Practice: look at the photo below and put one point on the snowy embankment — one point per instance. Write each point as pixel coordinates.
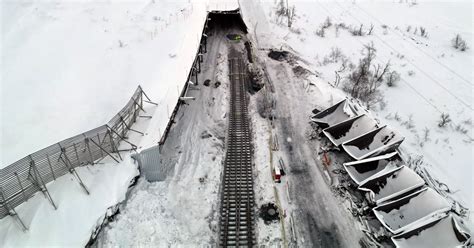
(78, 213)
(435, 77)
(69, 67)
(81, 62)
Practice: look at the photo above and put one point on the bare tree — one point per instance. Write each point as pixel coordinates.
(327, 23)
(361, 76)
(445, 119)
(291, 16)
(371, 29)
(320, 31)
(357, 31)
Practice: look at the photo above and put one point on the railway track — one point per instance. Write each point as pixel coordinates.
(237, 206)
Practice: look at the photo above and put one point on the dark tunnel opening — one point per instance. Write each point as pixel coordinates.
(226, 20)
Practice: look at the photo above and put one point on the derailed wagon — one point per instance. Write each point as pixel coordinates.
(365, 169)
(379, 141)
(446, 231)
(414, 209)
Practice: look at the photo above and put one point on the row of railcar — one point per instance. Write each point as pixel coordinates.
(415, 215)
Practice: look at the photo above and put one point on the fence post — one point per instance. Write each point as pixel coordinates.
(11, 211)
(21, 187)
(114, 146)
(98, 138)
(77, 154)
(40, 183)
(100, 147)
(70, 167)
(50, 166)
(86, 140)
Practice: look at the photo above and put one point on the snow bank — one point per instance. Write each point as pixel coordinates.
(77, 214)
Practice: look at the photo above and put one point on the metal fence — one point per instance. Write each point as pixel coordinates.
(21, 180)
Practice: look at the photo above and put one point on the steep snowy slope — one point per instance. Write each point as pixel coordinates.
(68, 67)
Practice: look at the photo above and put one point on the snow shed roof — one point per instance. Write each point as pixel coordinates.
(363, 170)
(349, 129)
(386, 186)
(414, 209)
(445, 232)
(378, 141)
(332, 115)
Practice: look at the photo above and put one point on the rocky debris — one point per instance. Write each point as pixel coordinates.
(205, 135)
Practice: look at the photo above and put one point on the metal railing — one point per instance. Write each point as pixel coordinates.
(22, 179)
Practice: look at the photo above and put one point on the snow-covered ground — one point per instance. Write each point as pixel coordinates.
(70, 66)
(435, 78)
(183, 210)
(78, 213)
(80, 61)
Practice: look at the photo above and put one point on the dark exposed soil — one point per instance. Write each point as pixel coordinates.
(278, 55)
(269, 213)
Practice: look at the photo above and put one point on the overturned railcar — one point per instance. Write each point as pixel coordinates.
(363, 170)
(379, 141)
(387, 186)
(332, 115)
(414, 209)
(350, 128)
(447, 231)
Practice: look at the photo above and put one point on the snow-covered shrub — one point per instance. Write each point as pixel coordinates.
(426, 135)
(423, 32)
(320, 31)
(411, 73)
(327, 23)
(392, 78)
(444, 120)
(336, 54)
(459, 43)
(283, 10)
(460, 128)
(357, 31)
(371, 29)
(409, 123)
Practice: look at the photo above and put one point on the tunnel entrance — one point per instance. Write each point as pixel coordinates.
(226, 20)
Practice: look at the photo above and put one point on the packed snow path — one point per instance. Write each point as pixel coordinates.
(237, 215)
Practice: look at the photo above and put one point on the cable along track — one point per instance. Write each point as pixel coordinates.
(237, 206)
